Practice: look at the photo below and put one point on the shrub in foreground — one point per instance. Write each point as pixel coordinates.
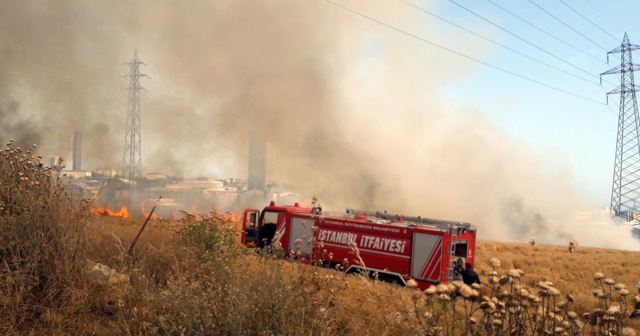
(41, 241)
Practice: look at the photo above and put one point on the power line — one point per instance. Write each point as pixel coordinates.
(603, 15)
(545, 32)
(577, 32)
(497, 43)
(522, 39)
(461, 54)
(595, 25)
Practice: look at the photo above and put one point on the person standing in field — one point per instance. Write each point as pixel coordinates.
(469, 276)
(572, 247)
(636, 300)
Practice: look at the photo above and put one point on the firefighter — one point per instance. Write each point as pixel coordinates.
(636, 300)
(267, 232)
(572, 247)
(469, 276)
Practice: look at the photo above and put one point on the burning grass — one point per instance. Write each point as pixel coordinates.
(190, 276)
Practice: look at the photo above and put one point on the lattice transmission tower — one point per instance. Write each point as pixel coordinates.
(132, 157)
(625, 192)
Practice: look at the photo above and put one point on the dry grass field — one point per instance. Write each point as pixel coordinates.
(66, 271)
(353, 305)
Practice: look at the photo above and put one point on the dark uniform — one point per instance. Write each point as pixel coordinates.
(469, 276)
(636, 300)
(267, 232)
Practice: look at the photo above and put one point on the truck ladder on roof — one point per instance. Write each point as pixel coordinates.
(443, 224)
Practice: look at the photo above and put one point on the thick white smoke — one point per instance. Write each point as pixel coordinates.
(352, 112)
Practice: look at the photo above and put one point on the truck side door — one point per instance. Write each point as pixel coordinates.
(250, 226)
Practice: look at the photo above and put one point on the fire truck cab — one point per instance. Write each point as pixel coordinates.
(393, 248)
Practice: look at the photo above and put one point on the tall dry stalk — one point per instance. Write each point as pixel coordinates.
(41, 239)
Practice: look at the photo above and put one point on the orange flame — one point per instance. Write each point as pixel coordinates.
(105, 211)
(227, 216)
(146, 214)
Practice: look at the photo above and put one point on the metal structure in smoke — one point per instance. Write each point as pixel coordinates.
(77, 151)
(625, 192)
(257, 162)
(132, 157)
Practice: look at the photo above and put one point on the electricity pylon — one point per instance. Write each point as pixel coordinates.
(625, 192)
(132, 157)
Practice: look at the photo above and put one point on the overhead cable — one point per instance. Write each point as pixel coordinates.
(523, 39)
(546, 32)
(461, 54)
(584, 17)
(498, 43)
(566, 25)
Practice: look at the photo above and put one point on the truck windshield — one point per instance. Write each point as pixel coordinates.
(270, 217)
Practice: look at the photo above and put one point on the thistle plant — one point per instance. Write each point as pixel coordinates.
(42, 237)
(508, 307)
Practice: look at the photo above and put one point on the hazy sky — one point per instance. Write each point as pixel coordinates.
(405, 110)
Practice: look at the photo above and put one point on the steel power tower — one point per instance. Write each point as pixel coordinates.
(132, 157)
(625, 192)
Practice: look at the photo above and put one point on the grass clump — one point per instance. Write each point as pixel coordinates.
(42, 242)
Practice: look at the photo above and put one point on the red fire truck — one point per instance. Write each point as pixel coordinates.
(394, 248)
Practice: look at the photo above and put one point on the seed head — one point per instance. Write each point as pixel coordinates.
(598, 276)
(613, 310)
(554, 291)
(441, 288)
(495, 263)
(430, 291)
(466, 291)
(543, 285)
(504, 280)
(444, 297)
(513, 273)
(597, 293)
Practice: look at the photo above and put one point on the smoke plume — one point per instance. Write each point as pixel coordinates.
(351, 112)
